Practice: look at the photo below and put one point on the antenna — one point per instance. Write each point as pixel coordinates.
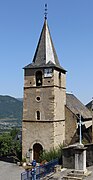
(45, 13)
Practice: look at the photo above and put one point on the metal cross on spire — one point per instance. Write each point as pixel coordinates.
(45, 11)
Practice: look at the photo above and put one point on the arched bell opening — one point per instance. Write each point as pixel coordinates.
(38, 78)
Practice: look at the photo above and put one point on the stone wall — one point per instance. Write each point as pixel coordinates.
(49, 129)
(59, 133)
(70, 126)
(52, 98)
(59, 104)
(89, 154)
(37, 132)
(68, 157)
(48, 134)
(45, 105)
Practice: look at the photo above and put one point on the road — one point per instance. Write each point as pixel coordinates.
(10, 171)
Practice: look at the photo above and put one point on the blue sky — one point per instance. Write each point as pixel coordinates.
(71, 27)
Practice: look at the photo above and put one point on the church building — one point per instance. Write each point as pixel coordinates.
(49, 113)
(43, 126)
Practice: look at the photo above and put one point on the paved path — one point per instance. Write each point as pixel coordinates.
(10, 171)
(91, 176)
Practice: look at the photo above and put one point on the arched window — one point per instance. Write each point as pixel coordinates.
(38, 78)
(38, 115)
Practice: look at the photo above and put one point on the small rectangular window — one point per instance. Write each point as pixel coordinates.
(38, 115)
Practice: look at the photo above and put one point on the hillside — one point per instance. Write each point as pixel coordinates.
(10, 113)
(10, 108)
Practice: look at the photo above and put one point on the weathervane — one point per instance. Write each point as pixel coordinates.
(45, 11)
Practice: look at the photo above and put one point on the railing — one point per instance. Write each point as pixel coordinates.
(41, 171)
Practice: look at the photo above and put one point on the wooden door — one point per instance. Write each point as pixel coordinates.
(37, 149)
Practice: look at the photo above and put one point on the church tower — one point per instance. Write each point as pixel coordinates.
(43, 126)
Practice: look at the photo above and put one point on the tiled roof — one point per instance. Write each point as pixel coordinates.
(77, 107)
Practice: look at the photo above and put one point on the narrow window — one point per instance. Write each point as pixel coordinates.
(59, 79)
(38, 115)
(38, 78)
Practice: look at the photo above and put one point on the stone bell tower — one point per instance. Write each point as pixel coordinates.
(43, 125)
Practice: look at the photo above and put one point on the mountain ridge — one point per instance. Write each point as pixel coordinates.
(10, 107)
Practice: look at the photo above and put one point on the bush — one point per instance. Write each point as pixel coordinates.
(50, 155)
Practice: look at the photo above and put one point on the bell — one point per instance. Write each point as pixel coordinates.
(39, 81)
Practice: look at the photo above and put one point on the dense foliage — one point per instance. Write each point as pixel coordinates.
(9, 145)
(52, 154)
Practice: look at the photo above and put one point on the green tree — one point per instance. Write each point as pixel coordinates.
(14, 132)
(9, 145)
(17, 149)
(5, 144)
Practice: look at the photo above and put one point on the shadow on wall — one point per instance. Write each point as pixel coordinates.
(86, 135)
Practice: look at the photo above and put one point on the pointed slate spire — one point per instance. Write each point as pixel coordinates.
(45, 52)
(45, 55)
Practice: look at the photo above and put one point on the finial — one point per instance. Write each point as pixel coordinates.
(45, 11)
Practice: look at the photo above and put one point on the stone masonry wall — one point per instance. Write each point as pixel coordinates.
(69, 156)
(45, 105)
(59, 133)
(49, 131)
(36, 132)
(70, 125)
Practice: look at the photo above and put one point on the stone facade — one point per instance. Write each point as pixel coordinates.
(49, 114)
(37, 132)
(44, 103)
(49, 131)
(70, 125)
